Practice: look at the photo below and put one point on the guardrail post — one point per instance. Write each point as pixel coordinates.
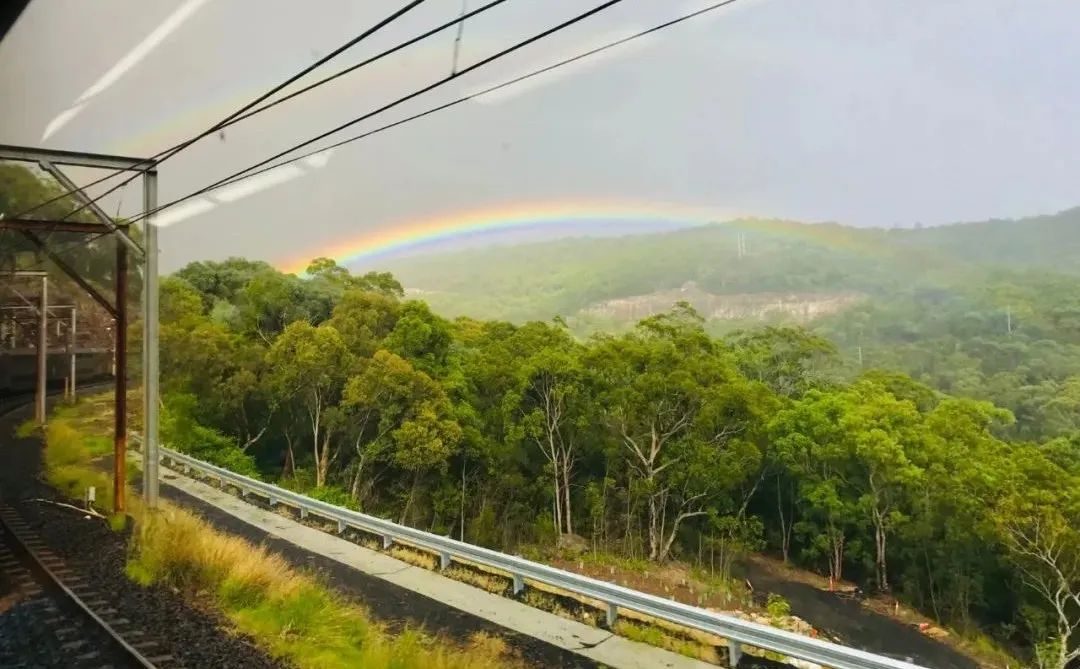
(734, 653)
(725, 628)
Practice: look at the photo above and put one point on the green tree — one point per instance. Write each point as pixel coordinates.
(398, 411)
(547, 407)
(310, 367)
(654, 385)
(364, 319)
(421, 337)
(1043, 538)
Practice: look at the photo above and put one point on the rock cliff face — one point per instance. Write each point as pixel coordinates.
(800, 307)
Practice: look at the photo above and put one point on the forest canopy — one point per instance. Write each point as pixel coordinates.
(663, 441)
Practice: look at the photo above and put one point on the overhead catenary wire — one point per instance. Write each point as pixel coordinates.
(433, 110)
(227, 121)
(405, 98)
(453, 103)
(165, 154)
(460, 21)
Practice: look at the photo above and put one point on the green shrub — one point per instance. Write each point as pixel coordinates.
(181, 431)
(777, 606)
(332, 494)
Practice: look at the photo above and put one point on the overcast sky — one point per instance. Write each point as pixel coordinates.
(867, 112)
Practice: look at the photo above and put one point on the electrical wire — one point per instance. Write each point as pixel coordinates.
(460, 21)
(173, 150)
(363, 117)
(447, 105)
(466, 98)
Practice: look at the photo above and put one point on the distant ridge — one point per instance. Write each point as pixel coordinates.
(539, 280)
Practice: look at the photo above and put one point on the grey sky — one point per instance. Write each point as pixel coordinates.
(869, 112)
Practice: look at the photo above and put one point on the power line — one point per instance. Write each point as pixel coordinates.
(453, 103)
(173, 150)
(460, 21)
(170, 152)
(447, 105)
(436, 84)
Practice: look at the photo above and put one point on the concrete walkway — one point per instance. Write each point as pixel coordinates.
(595, 644)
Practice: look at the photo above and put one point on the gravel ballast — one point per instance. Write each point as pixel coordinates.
(194, 636)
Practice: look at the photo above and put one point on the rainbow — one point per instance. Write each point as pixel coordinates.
(416, 234)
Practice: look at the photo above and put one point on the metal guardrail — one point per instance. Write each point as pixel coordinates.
(737, 632)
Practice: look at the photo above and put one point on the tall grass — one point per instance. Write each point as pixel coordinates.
(68, 466)
(289, 614)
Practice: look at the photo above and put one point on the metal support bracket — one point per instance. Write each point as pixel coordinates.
(94, 209)
(71, 273)
(734, 653)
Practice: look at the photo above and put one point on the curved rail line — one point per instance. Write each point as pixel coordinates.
(39, 574)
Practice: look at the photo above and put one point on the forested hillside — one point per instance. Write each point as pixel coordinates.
(658, 443)
(987, 310)
(924, 441)
(541, 280)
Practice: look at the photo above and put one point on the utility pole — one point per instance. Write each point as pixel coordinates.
(120, 383)
(1008, 319)
(42, 352)
(71, 347)
(150, 344)
(49, 160)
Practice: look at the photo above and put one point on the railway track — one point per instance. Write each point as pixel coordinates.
(56, 619)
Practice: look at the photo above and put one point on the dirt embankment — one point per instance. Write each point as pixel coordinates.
(799, 307)
(837, 616)
(843, 616)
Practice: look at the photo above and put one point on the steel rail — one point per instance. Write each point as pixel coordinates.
(55, 583)
(738, 633)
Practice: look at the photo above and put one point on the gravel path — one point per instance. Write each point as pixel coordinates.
(197, 638)
(853, 625)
